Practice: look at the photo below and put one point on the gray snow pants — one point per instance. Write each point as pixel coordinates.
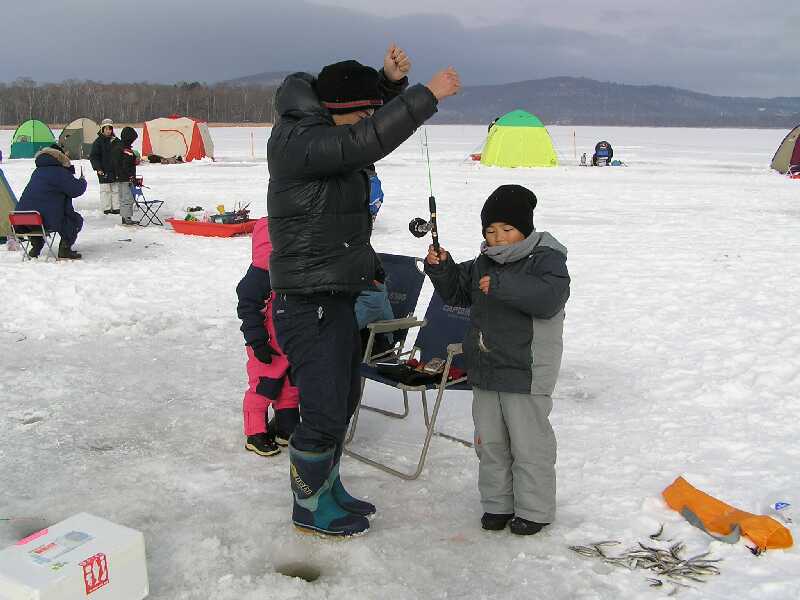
(516, 447)
(125, 199)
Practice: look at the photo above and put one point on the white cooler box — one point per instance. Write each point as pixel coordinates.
(81, 557)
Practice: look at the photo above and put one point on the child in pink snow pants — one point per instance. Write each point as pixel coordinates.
(267, 365)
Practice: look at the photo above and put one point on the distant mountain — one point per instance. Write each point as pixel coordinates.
(268, 78)
(581, 101)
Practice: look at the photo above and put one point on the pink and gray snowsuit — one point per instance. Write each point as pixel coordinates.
(269, 383)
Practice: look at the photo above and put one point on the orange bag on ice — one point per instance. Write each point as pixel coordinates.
(715, 517)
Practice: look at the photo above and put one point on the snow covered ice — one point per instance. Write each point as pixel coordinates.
(122, 375)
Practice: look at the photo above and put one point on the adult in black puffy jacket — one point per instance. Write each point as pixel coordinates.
(329, 131)
(50, 191)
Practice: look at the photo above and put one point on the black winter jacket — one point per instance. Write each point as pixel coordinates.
(124, 158)
(318, 195)
(514, 342)
(101, 157)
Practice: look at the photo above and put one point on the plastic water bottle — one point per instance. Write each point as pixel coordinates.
(781, 506)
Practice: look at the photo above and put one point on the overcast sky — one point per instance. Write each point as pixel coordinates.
(726, 47)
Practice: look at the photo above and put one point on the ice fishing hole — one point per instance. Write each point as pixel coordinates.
(306, 572)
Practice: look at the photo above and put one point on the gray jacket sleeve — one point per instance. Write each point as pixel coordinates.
(328, 151)
(452, 281)
(540, 290)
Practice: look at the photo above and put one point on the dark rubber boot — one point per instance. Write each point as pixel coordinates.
(343, 498)
(315, 508)
(37, 244)
(495, 522)
(64, 251)
(520, 526)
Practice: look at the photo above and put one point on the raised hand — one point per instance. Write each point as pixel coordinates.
(445, 83)
(396, 63)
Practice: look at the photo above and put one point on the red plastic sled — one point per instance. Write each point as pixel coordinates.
(212, 229)
(476, 156)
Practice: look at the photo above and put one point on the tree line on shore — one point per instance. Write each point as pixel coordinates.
(60, 103)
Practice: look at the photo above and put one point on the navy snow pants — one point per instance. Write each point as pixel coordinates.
(320, 336)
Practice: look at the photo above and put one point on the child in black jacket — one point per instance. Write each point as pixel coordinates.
(517, 288)
(125, 167)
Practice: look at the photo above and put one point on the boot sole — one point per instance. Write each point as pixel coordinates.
(324, 533)
(252, 448)
(283, 442)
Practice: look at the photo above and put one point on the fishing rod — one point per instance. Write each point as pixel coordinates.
(418, 226)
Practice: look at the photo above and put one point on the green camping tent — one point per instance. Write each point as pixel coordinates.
(8, 203)
(29, 138)
(77, 138)
(519, 139)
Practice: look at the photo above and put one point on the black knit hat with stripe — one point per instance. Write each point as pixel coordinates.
(511, 204)
(348, 86)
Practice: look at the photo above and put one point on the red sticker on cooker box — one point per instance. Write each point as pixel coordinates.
(95, 572)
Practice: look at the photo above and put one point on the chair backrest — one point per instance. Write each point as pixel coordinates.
(446, 325)
(26, 218)
(404, 281)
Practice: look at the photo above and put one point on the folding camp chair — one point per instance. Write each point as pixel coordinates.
(440, 336)
(149, 208)
(27, 224)
(404, 279)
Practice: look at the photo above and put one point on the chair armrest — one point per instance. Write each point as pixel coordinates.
(455, 349)
(395, 325)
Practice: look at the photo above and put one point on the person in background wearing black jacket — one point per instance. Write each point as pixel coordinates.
(330, 129)
(125, 168)
(103, 164)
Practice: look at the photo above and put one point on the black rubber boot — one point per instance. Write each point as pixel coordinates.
(495, 522)
(343, 498)
(315, 508)
(37, 244)
(520, 526)
(64, 251)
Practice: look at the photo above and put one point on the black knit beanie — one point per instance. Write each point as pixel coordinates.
(512, 204)
(348, 86)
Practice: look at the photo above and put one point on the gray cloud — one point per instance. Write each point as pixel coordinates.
(721, 46)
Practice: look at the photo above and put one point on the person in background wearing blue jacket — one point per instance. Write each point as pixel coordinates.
(50, 191)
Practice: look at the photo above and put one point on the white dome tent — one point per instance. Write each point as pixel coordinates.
(177, 136)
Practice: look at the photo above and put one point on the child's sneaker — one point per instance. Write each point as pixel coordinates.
(522, 526)
(262, 444)
(495, 522)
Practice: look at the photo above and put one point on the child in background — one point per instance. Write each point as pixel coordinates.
(125, 163)
(517, 288)
(373, 305)
(267, 365)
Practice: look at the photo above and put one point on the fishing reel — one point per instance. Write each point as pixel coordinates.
(419, 227)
